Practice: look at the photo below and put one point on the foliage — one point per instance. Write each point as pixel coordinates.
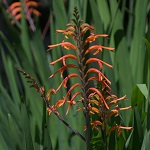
(24, 121)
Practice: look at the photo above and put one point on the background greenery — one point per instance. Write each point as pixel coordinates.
(24, 123)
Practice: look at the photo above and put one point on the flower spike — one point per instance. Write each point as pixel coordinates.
(93, 86)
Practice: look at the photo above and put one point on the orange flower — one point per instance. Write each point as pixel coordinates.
(116, 100)
(94, 110)
(112, 112)
(74, 86)
(66, 45)
(95, 124)
(49, 92)
(95, 102)
(124, 108)
(49, 110)
(100, 96)
(64, 59)
(118, 127)
(98, 49)
(84, 27)
(59, 103)
(66, 32)
(93, 37)
(100, 62)
(62, 69)
(72, 101)
(69, 106)
(66, 80)
(100, 75)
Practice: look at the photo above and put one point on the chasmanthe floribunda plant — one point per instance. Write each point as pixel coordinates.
(95, 96)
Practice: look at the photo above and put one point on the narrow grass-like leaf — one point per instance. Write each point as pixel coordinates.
(137, 48)
(138, 131)
(26, 128)
(15, 133)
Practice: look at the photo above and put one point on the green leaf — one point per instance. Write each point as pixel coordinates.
(139, 97)
(47, 141)
(138, 131)
(129, 140)
(26, 128)
(137, 55)
(143, 89)
(15, 133)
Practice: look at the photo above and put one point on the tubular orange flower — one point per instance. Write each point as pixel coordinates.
(124, 108)
(94, 110)
(59, 103)
(66, 80)
(62, 69)
(66, 32)
(69, 106)
(98, 49)
(72, 101)
(64, 59)
(84, 27)
(116, 100)
(100, 96)
(100, 62)
(100, 75)
(75, 85)
(112, 112)
(93, 37)
(94, 101)
(66, 45)
(118, 127)
(95, 124)
(49, 92)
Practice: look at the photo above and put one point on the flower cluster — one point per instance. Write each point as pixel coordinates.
(29, 6)
(96, 100)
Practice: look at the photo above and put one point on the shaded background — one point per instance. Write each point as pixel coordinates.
(24, 120)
